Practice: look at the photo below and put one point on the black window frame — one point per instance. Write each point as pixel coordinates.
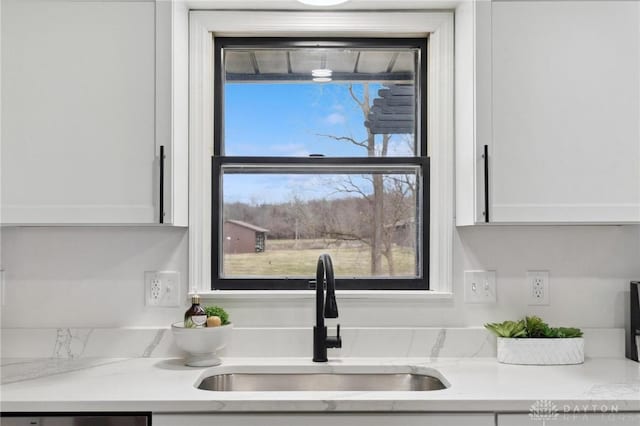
(219, 161)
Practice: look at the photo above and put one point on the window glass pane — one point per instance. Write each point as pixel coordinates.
(277, 224)
(338, 102)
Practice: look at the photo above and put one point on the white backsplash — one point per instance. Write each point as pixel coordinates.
(92, 277)
(430, 343)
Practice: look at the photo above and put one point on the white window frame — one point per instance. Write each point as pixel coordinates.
(438, 25)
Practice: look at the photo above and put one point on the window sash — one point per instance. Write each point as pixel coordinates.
(289, 163)
(271, 283)
(221, 43)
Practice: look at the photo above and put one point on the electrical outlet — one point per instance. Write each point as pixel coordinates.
(156, 290)
(538, 287)
(162, 288)
(480, 286)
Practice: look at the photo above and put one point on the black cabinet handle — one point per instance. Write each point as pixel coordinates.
(486, 183)
(161, 197)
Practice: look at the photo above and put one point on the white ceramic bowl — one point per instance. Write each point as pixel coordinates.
(201, 344)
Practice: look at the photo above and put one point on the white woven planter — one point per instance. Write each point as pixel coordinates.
(541, 351)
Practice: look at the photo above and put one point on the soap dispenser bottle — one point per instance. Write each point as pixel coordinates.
(195, 317)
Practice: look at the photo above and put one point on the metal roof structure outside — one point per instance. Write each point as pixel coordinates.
(289, 64)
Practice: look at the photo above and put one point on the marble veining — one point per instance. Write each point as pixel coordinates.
(30, 369)
(71, 343)
(439, 344)
(411, 344)
(148, 351)
(489, 340)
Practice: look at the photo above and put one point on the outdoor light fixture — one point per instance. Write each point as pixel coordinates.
(322, 2)
(321, 75)
(322, 72)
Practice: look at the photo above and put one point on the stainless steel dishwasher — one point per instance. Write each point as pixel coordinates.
(76, 419)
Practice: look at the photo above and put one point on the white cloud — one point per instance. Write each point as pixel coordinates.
(335, 118)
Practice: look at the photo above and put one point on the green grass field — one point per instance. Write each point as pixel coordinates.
(298, 259)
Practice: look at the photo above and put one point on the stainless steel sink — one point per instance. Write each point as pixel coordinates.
(259, 382)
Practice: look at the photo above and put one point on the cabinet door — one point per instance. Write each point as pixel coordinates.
(577, 419)
(566, 111)
(78, 82)
(323, 419)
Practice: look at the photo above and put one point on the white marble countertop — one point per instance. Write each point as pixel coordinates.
(165, 385)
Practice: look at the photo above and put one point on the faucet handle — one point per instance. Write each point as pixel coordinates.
(336, 341)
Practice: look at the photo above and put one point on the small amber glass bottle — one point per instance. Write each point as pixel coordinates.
(195, 317)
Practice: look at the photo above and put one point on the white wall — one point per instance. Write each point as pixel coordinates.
(93, 277)
(86, 276)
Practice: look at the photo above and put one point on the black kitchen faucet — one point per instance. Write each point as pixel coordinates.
(324, 309)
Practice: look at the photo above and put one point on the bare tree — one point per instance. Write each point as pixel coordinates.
(379, 238)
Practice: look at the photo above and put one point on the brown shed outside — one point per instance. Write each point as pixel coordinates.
(243, 237)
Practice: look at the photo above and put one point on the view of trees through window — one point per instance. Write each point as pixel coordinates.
(277, 218)
(336, 215)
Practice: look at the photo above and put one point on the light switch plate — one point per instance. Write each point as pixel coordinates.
(480, 287)
(162, 288)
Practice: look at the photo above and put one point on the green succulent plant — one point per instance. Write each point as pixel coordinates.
(531, 327)
(536, 328)
(567, 332)
(508, 329)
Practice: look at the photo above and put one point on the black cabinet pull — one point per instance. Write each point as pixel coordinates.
(161, 198)
(486, 183)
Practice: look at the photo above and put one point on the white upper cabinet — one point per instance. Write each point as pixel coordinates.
(561, 80)
(79, 114)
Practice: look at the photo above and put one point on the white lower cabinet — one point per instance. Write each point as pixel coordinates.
(574, 419)
(323, 419)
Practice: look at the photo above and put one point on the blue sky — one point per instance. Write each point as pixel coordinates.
(288, 119)
(285, 119)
